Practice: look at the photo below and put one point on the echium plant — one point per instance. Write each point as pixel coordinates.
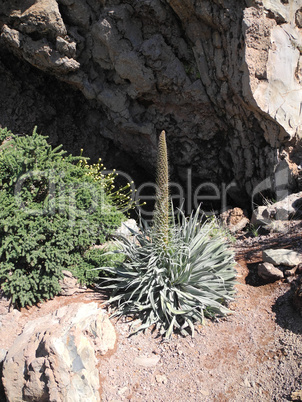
(175, 273)
(161, 209)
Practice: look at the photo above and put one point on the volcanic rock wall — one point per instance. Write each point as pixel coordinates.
(222, 77)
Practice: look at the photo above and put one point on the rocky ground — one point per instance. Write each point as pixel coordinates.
(255, 354)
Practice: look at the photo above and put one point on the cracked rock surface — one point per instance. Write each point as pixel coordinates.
(222, 78)
(55, 356)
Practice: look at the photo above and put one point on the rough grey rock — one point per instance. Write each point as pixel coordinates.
(54, 358)
(269, 272)
(126, 228)
(234, 219)
(291, 272)
(3, 353)
(260, 216)
(298, 18)
(282, 257)
(278, 226)
(288, 208)
(69, 285)
(223, 80)
(39, 53)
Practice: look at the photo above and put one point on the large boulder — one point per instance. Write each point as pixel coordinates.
(222, 78)
(282, 256)
(55, 357)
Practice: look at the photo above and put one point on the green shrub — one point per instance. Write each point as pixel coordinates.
(177, 271)
(92, 259)
(51, 212)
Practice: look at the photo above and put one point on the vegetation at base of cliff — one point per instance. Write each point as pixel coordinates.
(175, 273)
(51, 213)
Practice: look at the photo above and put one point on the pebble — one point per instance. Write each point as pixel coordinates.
(122, 391)
(161, 378)
(247, 383)
(147, 361)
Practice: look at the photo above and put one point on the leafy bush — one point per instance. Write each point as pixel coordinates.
(176, 272)
(51, 212)
(122, 198)
(86, 268)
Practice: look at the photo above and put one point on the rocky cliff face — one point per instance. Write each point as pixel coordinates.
(222, 77)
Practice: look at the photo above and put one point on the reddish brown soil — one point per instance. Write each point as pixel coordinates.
(255, 354)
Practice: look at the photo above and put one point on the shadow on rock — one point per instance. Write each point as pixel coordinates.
(287, 316)
(252, 278)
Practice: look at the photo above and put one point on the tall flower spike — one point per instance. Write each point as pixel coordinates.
(161, 209)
